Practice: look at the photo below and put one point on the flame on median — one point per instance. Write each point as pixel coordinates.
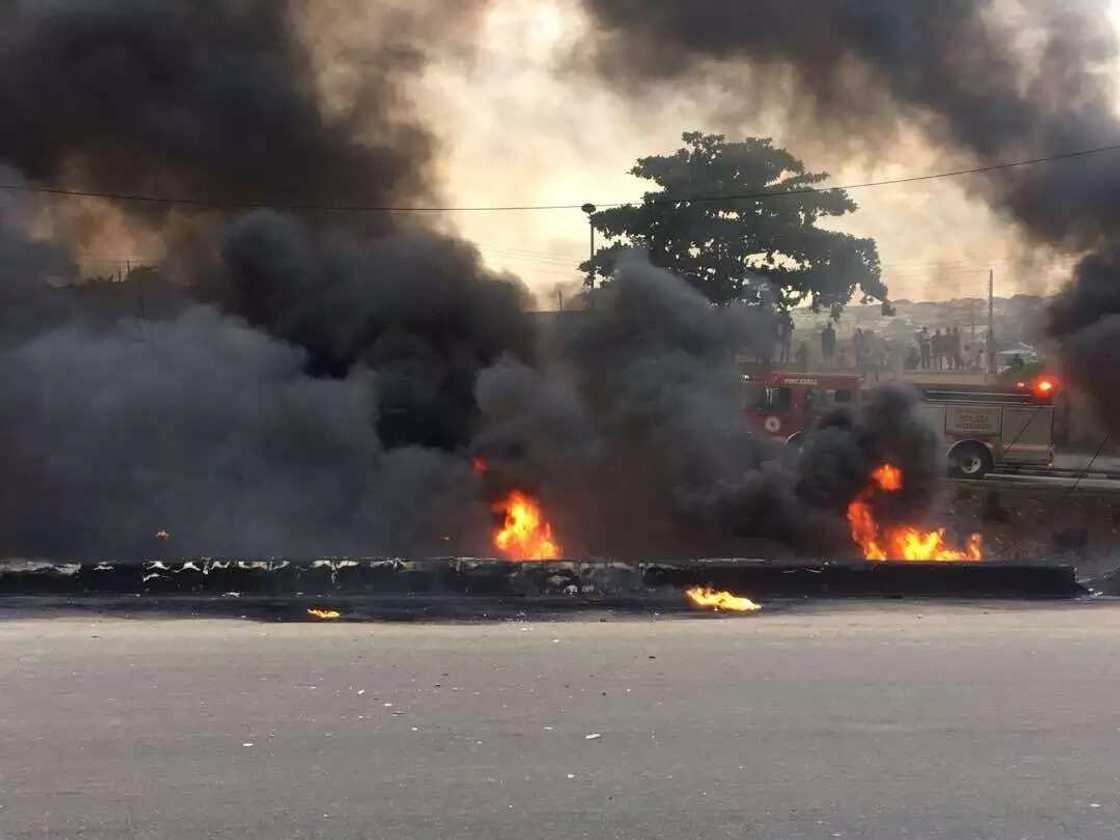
(707, 598)
(901, 542)
(525, 534)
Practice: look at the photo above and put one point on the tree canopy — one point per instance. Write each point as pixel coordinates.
(713, 222)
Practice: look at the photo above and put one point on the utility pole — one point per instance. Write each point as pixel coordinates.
(991, 323)
(139, 291)
(589, 209)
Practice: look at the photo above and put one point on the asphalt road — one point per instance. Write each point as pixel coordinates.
(875, 721)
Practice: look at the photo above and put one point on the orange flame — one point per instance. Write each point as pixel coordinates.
(323, 614)
(887, 477)
(525, 534)
(901, 542)
(707, 598)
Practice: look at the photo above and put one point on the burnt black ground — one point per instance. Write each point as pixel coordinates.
(811, 719)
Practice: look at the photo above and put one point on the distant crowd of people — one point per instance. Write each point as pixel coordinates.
(943, 351)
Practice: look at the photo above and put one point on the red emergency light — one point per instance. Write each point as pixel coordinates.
(1045, 386)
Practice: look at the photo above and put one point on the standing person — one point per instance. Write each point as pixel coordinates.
(937, 347)
(924, 348)
(803, 356)
(913, 359)
(958, 359)
(874, 354)
(785, 335)
(828, 343)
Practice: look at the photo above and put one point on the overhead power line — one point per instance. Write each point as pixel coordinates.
(203, 203)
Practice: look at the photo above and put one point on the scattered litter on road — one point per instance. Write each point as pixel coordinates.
(594, 736)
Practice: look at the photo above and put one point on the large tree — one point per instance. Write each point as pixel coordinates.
(714, 221)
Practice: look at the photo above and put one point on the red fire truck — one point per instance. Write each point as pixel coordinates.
(984, 427)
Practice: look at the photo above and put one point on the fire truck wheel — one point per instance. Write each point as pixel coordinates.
(970, 460)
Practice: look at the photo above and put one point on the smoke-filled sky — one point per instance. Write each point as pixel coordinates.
(551, 101)
(310, 382)
(301, 382)
(523, 121)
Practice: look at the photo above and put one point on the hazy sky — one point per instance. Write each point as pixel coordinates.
(520, 124)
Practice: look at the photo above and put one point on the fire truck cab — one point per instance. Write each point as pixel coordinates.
(784, 404)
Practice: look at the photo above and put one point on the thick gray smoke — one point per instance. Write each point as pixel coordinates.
(415, 306)
(634, 433)
(212, 431)
(212, 99)
(320, 386)
(307, 390)
(886, 428)
(1085, 317)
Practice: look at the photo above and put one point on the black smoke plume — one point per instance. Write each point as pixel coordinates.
(308, 389)
(973, 75)
(212, 431)
(320, 385)
(416, 307)
(1085, 317)
(213, 100)
(634, 432)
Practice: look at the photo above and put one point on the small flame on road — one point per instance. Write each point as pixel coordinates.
(162, 535)
(525, 534)
(901, 542)
(324, 614)
(707, 598)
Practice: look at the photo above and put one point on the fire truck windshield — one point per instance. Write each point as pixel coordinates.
(774, 399)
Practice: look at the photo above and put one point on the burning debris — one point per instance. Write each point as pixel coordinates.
(324, 614)
(900, 542)
(722, 601)
(524, 534)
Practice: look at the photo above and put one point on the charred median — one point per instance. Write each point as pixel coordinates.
(578, 580)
